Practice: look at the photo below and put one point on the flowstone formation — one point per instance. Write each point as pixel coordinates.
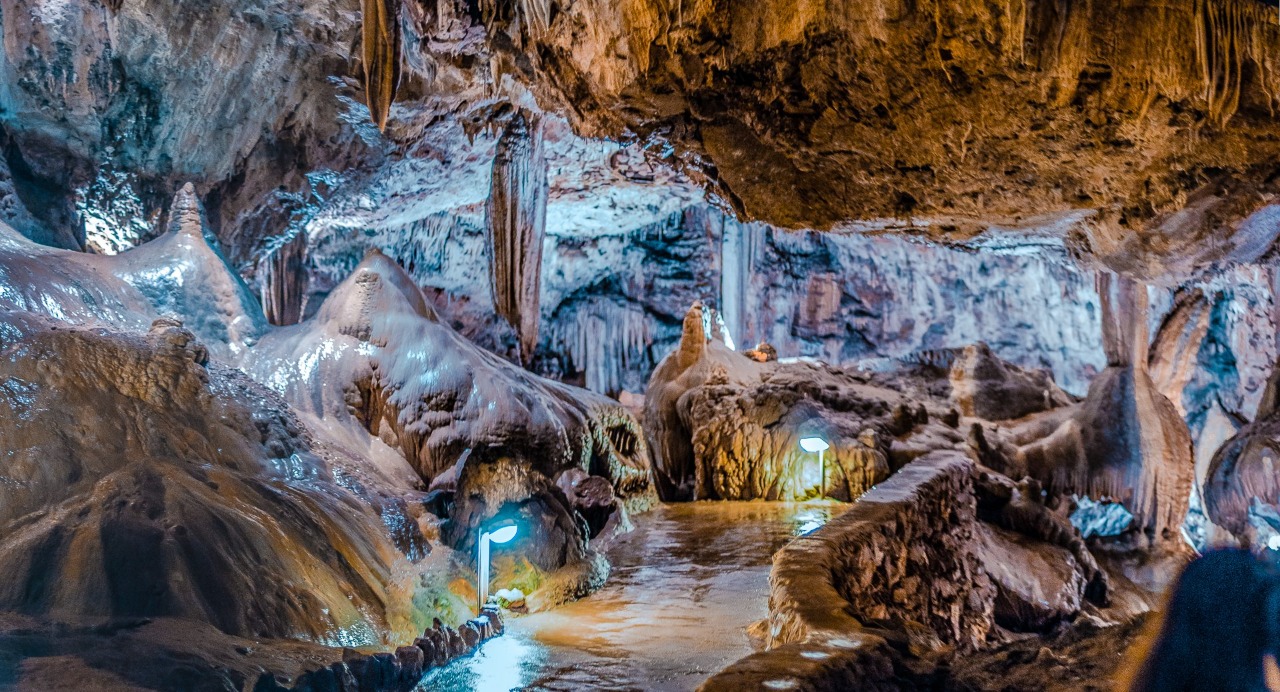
(939, 236)
(725, 425)
(214, 506)
(341, 509)
(1241, 492)
(1126, 441)
(487, 438)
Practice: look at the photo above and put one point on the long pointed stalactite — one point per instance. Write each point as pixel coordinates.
(380, 31)
(517, 219)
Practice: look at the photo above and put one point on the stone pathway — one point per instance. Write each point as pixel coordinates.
(685, 586)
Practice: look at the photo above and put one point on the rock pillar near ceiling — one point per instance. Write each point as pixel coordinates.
(380, 37)
(1137, 448)
(517, 219)
(284, 282)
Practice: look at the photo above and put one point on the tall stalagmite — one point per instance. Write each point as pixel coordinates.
(1126, 441)
(517, 219)
(380, 23)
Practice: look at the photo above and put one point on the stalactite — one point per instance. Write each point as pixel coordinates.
(739, 247)
(517, 216)
(380, 25)
(1226, 38)
(530, 18)
(602, 339)
(283, 282)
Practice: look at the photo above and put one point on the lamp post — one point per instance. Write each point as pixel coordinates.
(498, 535)
(819, 445)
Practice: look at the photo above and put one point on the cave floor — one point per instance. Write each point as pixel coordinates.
(685, 586)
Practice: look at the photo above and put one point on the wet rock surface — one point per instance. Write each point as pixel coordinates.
(161, 524)
(377, 364)
(1037, 585)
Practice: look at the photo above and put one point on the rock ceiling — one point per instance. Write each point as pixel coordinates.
(1157, 117)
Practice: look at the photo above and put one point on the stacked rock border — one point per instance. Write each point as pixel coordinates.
(398, 671)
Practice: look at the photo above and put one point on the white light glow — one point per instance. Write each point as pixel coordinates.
(813, 444)
(503, 534)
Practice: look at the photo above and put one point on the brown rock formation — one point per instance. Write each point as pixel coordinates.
(887, 110)
(213, 506)
(380, 34)
(1242, 481)
(983, 386)
(724, 426)
(860, 603)
(1174, 349)
(1125, 441)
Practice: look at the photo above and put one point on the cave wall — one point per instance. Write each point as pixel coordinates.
(613, 301)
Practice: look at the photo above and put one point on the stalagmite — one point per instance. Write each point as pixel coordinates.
(1242, 486)
(1126, 441)
(517, 216)
(380, 24)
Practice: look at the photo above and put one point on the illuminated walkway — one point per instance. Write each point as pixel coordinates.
(685, 586)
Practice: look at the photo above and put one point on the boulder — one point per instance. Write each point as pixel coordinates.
(1038, 584)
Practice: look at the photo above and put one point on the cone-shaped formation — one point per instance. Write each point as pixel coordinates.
(184, 274)
(377, 362)
(380, 31)
(213, 507)
(724, 426)
(180, 275)
(517, 216)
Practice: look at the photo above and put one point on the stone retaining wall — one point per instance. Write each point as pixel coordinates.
(398, 671)
(898, 567)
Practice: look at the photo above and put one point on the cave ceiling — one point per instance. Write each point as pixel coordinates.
(1148, 125)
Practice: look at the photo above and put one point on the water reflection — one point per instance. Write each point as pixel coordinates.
(505, 663)
(685, 587)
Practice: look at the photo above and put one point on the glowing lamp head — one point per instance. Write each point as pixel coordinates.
(503, 534)
(813, 444)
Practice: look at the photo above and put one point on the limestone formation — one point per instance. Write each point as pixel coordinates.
(294, 297)
(983, 386)
(380, 34)
(724, 426)
(1125, 441)
(1242, 489)
(377, 366)
(235, 520)
(517, 218)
